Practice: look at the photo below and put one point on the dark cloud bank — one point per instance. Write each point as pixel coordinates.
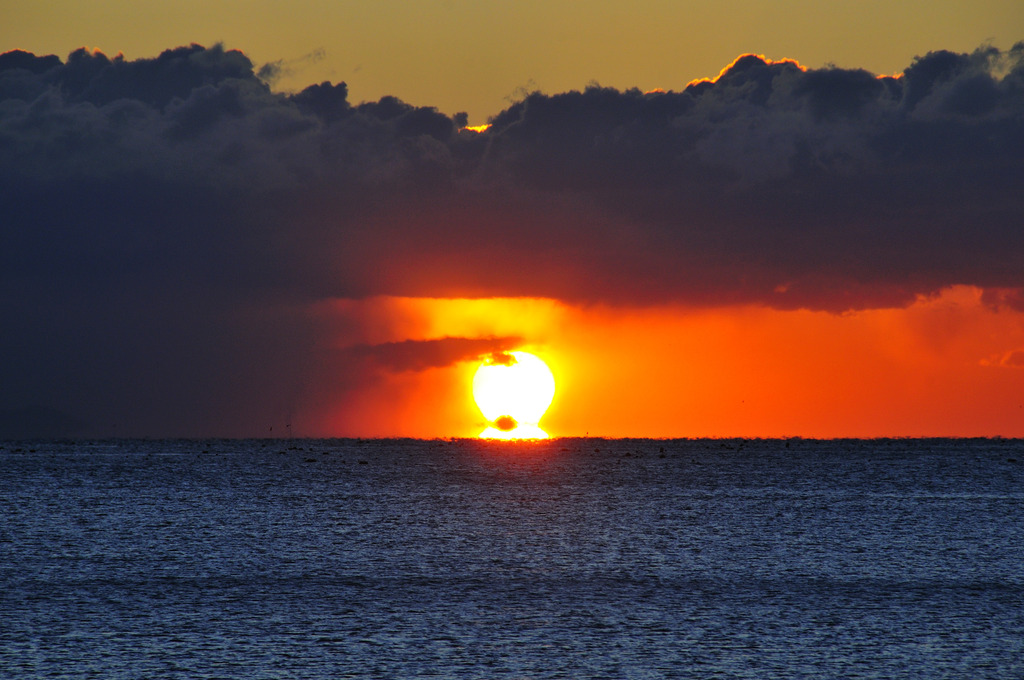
(163, 222)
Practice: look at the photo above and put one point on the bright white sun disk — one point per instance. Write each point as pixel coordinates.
(513, 390)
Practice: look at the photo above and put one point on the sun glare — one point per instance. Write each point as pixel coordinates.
(513, 390)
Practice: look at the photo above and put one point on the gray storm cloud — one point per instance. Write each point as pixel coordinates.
(163, 219)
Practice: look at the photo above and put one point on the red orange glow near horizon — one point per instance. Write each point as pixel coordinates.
(944, 366)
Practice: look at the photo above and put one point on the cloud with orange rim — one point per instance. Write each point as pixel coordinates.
(171, 223)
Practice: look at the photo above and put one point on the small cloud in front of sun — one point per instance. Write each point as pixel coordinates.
(505, 423)
(500, 359)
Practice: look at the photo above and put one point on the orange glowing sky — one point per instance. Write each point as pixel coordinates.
(940, 367)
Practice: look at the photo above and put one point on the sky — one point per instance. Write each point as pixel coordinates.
(731, 219)
(477, 57)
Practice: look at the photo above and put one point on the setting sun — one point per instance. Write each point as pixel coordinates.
(513, 390)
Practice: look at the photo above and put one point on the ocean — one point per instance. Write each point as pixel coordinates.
(566, 558)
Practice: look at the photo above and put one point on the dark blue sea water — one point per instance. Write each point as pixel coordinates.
(576, 558)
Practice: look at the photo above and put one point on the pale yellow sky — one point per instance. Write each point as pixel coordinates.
(475, 56)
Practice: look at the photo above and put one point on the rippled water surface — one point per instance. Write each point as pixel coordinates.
(569, 558)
